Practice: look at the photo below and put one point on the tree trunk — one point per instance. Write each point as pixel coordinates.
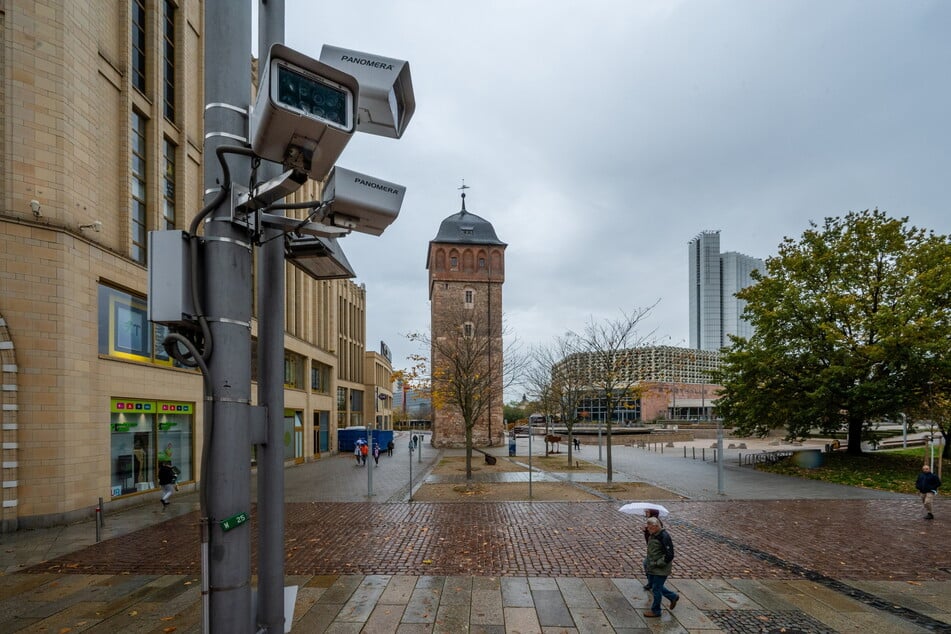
(855, 436)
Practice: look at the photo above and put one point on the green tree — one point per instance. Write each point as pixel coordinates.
(851, 324)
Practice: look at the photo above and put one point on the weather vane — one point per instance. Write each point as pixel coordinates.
(463, 188)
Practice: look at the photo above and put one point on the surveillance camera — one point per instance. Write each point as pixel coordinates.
(304, 114)
(320, 258)
(361, 203)
(386, 101)
(35, 208)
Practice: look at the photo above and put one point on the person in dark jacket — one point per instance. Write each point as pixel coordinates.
(166, 478)
(647, 539)
(660, 558)
(927, 484)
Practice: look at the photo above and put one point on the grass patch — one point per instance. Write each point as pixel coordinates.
(883, 470)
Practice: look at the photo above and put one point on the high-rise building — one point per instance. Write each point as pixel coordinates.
(466, 265)
(714, 280)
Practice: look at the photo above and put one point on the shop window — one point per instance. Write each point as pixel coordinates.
(125, 331)
(145, 433)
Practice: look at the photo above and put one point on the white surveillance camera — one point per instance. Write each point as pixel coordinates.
(304, 114)
(361, 203)
(386, 100)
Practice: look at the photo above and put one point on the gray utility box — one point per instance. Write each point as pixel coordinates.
(170, 289)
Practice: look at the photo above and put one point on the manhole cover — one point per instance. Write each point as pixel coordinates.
(764, 622)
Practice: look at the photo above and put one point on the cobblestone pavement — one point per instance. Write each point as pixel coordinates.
(817, 564)
(784, 539)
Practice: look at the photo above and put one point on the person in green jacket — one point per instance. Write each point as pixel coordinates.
(660, 558)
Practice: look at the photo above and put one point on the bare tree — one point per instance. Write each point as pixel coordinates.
(556, 385)
(608, 354)
(467, 374)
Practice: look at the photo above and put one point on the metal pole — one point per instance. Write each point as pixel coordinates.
(600, 459)
(369, 464)
(904, 431)
(720, 457)
(531, 432)
(411, 469)
(271, 303)
(227, 288)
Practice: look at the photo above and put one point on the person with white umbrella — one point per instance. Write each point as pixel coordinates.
(660, 558)
(648, 509)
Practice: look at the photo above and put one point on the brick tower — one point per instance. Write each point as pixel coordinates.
(466, 263)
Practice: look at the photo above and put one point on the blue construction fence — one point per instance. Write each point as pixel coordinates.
(348, 436)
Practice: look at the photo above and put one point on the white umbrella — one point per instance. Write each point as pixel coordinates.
(639, 508)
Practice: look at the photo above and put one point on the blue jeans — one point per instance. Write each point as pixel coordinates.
(657, 588)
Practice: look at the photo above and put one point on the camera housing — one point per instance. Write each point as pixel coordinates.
(304, 113)
(386, 101)
(361, 203)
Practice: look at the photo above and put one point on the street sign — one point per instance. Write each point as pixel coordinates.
(234, 521)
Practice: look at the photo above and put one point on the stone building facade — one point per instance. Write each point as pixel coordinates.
(466, 263)
(101, 141)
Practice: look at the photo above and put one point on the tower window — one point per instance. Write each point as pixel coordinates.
(481, 263)
(453, 263)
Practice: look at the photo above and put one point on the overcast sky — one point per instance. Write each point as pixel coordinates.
(600, 137)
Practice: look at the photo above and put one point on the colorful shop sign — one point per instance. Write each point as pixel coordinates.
(174, 407)
(132, 406)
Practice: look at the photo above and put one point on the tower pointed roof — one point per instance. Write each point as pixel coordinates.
(465, 227)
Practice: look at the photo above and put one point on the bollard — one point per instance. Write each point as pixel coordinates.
(102, 515)
(98, 530)
(685, 451)
(714, 455)
(703, 454)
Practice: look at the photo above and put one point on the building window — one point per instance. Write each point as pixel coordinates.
(481, 263)
(168, 191)
(138, 44)
(125, 331)
(169, 60)
(341, 407)
(356, 407)
(139, 227)
(319, 378)
(145, 433)
(470, 298)
(293, 370)
(467, 329)
(453, 263)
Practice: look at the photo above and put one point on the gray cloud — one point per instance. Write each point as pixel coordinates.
(599, 137)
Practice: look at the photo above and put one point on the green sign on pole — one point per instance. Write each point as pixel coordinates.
(234, 521)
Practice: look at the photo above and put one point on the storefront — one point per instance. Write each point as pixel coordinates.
(143, 433)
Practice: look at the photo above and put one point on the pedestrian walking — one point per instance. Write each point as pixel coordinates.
(927, 484)
(166, 478)
(364, 452)
(389, 448)
(660, 558)
(376, 453)
(647, 538)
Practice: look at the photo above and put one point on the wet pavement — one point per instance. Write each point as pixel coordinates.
(831, 559)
